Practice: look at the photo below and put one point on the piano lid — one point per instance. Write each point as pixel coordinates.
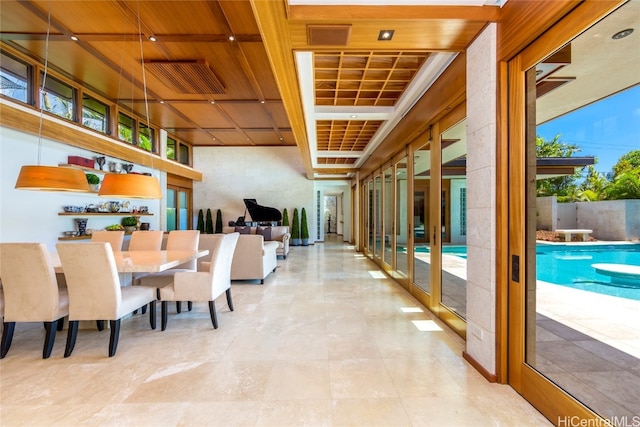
(261, 213)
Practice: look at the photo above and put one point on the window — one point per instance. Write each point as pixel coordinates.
(57, 97)
(171, 148)
(145, 137)
(125, 128)
(95, 114)
(184, 154)
(15, 78)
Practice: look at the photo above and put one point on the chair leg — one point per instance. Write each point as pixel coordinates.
(189, 305)
(212, 313)
(163, 310)
(229, 300)
(144, 309)
(49, 338)
(7, 336)
(60, 324)
(178, 307)
(100, 325)
(72, 333)
(152, 314)
(115, 334)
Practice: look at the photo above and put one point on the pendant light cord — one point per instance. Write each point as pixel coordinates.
(144, 86)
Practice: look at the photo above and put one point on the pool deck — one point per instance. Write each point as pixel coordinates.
(612, 320)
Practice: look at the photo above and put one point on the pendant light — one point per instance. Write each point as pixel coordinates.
(49, 178)
(131, 185)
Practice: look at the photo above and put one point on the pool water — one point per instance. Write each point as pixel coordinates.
(570, 265)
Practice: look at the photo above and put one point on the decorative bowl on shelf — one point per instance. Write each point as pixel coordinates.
(73, 209)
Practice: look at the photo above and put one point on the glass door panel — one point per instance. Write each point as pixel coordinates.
(377, 216)
(401, 222)
(172, 210)
(387, 217)
(580, 322)
(421, 250)
(453, 206)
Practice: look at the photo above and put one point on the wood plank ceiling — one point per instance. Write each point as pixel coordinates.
(278, 84)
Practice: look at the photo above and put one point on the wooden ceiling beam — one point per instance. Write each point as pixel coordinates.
(353, 13)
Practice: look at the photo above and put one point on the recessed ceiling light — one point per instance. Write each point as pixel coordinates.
(161, 101)
(262, 101)
(354, 116)
(385, 35)
(231, 38)
(213, 102)
(74, 38)
(153, 38)
(622, 34)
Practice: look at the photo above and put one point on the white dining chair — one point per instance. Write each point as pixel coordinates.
(178, 240)
(115, 237)
(95, 292)
(146, 240)
(31, 292)
(204, 286)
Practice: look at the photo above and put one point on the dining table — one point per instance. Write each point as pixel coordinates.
(144, 261)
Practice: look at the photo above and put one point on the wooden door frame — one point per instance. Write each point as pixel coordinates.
(553, 402)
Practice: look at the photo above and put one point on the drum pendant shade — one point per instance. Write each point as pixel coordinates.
(51, 178)
(130, 186)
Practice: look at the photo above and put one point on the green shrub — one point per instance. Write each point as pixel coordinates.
(93, 179)
(208, 228)
(304, 230)
(200, 221)
(129, 221)
(219, 221)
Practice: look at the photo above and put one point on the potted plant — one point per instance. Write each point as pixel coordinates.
(285, 217)
(208, 225)
(130, 224)
(219, 221)
(304, 230)
(94, 181)
(295, 229)
(200, 225)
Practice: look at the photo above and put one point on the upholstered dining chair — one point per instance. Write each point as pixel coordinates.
(31, 293)
(144, 240)
(115, 237)
(147, 240)
(178, 240)
(204, 286)
(95, 292)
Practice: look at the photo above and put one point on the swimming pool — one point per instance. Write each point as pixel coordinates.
(570, 265)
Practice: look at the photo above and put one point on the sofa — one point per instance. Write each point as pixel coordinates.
(253, 259)
(279, 234)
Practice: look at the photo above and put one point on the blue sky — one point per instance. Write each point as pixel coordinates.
(606, 129)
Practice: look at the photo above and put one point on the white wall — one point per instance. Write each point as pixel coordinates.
(32, 216)
(274, 176)
(481, 199)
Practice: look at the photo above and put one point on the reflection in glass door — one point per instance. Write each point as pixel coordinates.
(377, 216)
(402, 232)
(387, 217)
(178, 208)
(421, 250)
(453, 219)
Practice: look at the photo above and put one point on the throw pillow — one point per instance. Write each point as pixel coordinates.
(243, 230)
(265, 232)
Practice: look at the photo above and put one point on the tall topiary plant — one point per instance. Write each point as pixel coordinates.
(295, 229)
(219, 221)
(285, 217)
(208, 228)
(200, 225)
(304, 230)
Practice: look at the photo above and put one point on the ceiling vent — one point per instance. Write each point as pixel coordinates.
(328, 35)
(186, 77)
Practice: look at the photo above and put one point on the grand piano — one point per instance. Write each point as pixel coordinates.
(260, 215)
